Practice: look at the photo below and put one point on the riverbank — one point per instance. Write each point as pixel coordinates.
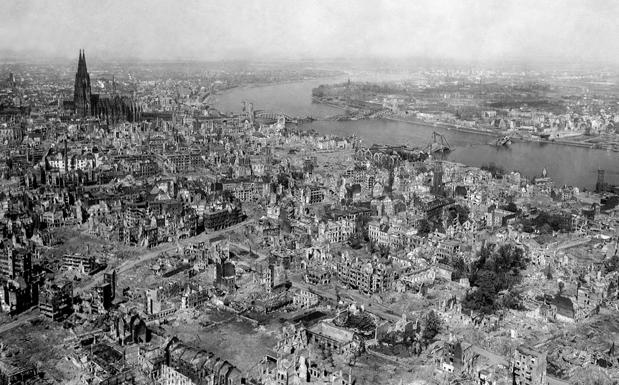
(477, 131)
(445, 126)
(573, 166)
(330, 104)
(454, 127)
(281, 82)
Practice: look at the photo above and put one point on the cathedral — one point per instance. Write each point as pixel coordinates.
(82, 98)
(110, 108)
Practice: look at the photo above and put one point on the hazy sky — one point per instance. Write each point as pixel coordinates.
(479, 30)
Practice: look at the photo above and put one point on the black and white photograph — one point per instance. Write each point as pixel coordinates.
(320, 192)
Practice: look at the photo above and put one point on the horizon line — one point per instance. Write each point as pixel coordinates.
(27, 58)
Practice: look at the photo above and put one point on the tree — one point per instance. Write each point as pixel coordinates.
(432, 325)
(384, 251)
(460, 212)
(496, 171)
(545, 229)
(460, 268)
(486, 280)
(511, 300)
(511, 206)
(498, 268)
(393, 338)
(483, 298)
(355, 241)
(612, 264)
(423, 227)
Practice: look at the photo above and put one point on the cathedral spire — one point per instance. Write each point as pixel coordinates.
(81, 63)
(82, 93)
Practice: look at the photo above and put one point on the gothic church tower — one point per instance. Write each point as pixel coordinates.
(81, 93)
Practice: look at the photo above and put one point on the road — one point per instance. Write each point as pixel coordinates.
(260, 254)
(124, 267)
(21, 319)
(156, 252)
(371, 306)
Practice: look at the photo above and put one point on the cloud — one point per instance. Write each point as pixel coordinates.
(472, 30)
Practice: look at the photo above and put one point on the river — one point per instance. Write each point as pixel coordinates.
(569, 165)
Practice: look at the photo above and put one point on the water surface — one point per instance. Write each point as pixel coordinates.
(565, 164)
